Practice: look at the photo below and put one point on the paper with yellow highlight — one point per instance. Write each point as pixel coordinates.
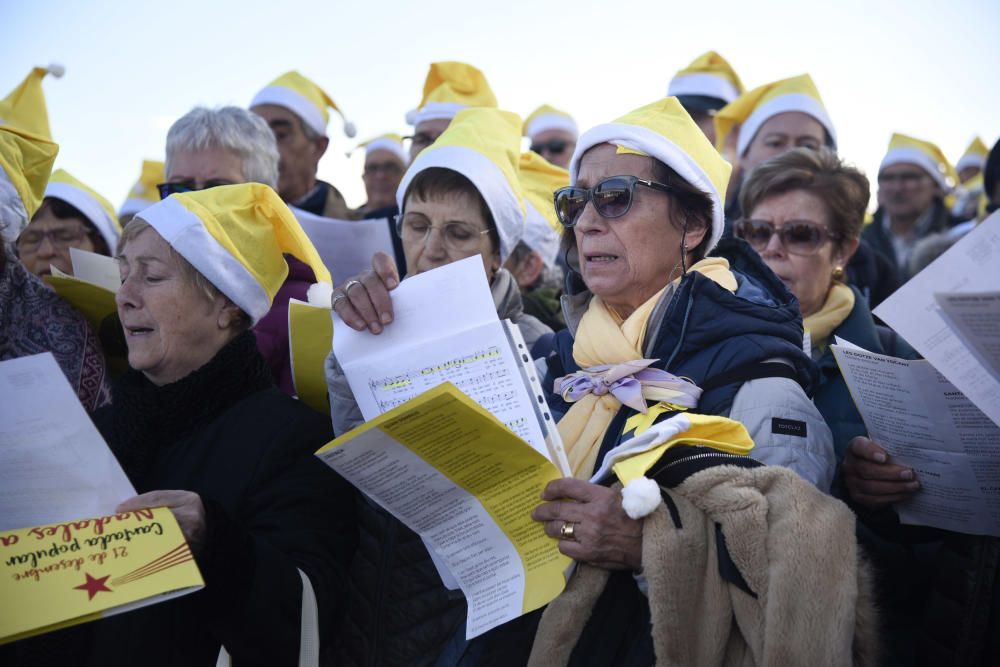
(65, 574)
(310, 339)
(458, 477)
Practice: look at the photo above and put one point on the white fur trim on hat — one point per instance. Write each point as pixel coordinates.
(383, 144)
(970, 160)
(910, 155)
(489, 181)
(133, 205)
(186, 234)
(790, 102)
(539, 235)
(640, 497)
(552, 121)
(87, 205)
(655, 145)
(13, 215)
(434, 111)
(291, 100)
(700, 83)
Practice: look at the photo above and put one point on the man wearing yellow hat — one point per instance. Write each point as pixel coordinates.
(33, 319)
(449, 87)
(385, 163)
(972, 161)
(296, 109)
(705, 86)
(144, 193)
(552, 133)
(913, 179)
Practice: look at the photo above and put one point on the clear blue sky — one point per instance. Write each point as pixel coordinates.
(914, 66)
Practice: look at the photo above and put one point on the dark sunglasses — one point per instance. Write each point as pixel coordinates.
(554, 146)
(612, 198)
(799, 237)
(167, 189)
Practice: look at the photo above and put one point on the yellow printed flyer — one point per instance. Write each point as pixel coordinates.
(310, 339)
(64, 574)
(458, 477)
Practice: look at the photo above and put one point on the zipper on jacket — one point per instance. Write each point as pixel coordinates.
(693, 457)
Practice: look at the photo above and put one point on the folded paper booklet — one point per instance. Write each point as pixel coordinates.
(65, 574)
(458, 477)
(446, 329)
(925, 422)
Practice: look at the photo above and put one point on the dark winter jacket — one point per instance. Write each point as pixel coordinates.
(880, 238)
(873, 273)
(272, 509)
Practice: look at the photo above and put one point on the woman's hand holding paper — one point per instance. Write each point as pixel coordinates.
(363, 302)
(186, 507)
(590, 524)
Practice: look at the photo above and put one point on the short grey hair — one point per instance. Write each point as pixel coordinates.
(228, 128)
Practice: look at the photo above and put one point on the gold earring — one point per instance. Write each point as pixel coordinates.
(838, 274)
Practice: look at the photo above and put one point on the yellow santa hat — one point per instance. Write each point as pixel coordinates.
(664, 130)
(546, 118)
(484, 145)
(98, 210)
(390, 142)
(303, 97)
(754, 108)
(449, 87)
(144, 193)
(924, 154)
(236, 236)
(709, 75)
(540, 179)
(26, 152)
(974, 156)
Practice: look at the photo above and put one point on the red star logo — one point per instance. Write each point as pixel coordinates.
(93, 586)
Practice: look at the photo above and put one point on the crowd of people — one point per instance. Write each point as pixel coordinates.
(715, 236)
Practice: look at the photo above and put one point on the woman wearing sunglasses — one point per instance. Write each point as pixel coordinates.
(716, 335)
(460, 198)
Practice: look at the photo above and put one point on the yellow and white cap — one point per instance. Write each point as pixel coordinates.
(542, 230)
(484, 145)
(974, 156)
(236, 236)
(752, 109)
(709, 75)
(303, 97)
(98, 210)
(924, 154)
(664, 130)
(450, 87)
(390, 142)
(144, 192)
(26, 152)
(546, 118)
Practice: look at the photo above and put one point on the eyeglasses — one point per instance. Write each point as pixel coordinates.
(555, 146)
(420, 141)
(387, 168)
(456, 236)
(799, 237)
(905, 178)
(62, 237)
(612, 198)
(167, 189)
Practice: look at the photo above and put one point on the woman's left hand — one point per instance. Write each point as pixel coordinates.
(186, 507)
(602, 534)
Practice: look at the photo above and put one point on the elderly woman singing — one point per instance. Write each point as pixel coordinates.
(733, 562)
(200, 428)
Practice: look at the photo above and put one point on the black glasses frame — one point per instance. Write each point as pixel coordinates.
(632, 181)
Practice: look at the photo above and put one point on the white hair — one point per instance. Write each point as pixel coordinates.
(232, 129)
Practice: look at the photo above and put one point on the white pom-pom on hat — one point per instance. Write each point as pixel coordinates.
(640, 497)
(320, 294)
(56, 70)
(350, 129)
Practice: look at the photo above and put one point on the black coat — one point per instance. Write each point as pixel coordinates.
(272, 508)
(881, 240)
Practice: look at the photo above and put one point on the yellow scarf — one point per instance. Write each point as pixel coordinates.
(838, 305)
(601, 340)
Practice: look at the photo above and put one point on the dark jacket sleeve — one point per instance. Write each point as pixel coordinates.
(299, 515)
